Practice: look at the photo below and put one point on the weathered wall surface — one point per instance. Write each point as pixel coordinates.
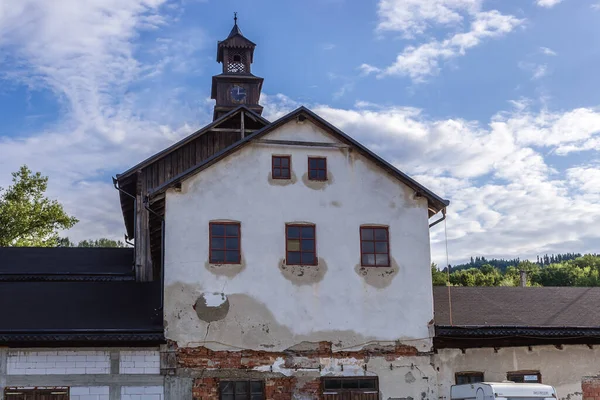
(562, 368)
(262, 304)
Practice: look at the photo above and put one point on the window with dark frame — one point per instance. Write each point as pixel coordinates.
(354, 384)
(54, 393)
(317, 168)
(524, 376)
(225, 246)
(300, 245)
(241, 390)
(374, 246)
(281, 167)
(463, 378)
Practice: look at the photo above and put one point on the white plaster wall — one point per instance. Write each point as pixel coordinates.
(89, 393)
(58, 362)
(268, 310)
(139, 362)
(142, 393)
(562, 369)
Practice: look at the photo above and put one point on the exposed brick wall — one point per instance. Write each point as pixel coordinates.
(205, 389)
(282, 388)
(591, 388)
(201, 357)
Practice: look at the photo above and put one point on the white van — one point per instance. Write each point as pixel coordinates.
(502, 391)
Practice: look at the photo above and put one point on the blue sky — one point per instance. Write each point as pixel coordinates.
(493, 104)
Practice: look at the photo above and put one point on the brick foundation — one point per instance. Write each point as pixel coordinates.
(591, 388)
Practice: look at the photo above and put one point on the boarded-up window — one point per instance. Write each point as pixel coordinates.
(241, 390)
(58, 393)
(524, 376)
(359, 388)
(465, 377)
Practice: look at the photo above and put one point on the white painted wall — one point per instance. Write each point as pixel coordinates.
(142, 393)
(89, 393)
(58, 362)
(562, 369)
(139, 362)
(268, 310)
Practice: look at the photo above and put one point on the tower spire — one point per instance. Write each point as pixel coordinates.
(235, 18)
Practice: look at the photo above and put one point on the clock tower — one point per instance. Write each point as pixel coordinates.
(236, 85)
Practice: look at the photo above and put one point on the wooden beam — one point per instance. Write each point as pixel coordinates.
(242, 125)
(230, 130)
(301, 143)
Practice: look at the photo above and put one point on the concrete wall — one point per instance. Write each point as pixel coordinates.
(262, 304)
(562, 368)
(91, 374)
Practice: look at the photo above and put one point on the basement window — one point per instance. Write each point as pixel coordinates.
(225, 246)
(241, 390)
(462, 378)
(300, 245)
(317, 168)
(524, 376)
(281, 167)
(374, 246)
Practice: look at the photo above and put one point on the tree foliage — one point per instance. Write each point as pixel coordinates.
(102, 242)
(27, 216)
(570, 271)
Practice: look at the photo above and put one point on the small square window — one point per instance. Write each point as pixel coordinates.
(317, 168)
(281, 167)
(300, 245)
(463, 378)
(374, 246)
(242, 390)
(225, 243)
(524, 377)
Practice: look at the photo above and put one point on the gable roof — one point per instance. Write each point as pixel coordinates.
(435, 202)
(191, 137)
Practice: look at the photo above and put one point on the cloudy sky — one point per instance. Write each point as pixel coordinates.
(493, 104)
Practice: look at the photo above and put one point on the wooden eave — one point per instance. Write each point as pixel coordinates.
(435, 202)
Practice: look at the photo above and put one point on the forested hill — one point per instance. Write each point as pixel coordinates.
(569, 269)
(502, 264)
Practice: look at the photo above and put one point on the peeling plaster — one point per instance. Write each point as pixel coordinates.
(303, 274)
(379, 277)
(212, 307)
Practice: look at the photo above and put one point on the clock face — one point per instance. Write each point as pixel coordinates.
(238, 94)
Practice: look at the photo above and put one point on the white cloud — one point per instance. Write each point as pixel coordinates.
(595, 6)
(415, 16)
(83, 52)
(547, 51)
(366, 69)
(537, 70)
(548, 3)
(506, 200)
(328, 46)
(422, 61)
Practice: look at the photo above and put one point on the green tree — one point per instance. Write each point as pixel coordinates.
(439, 278)
(27, 216)
(102, 242)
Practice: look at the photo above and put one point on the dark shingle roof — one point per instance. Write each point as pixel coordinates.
(543, 307)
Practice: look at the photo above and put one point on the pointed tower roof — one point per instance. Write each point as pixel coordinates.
(235, 40)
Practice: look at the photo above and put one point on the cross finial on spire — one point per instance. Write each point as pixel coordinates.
(235, 18)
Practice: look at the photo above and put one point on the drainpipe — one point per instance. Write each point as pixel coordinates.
(162, 253)
(115, 184)
(439, 220)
